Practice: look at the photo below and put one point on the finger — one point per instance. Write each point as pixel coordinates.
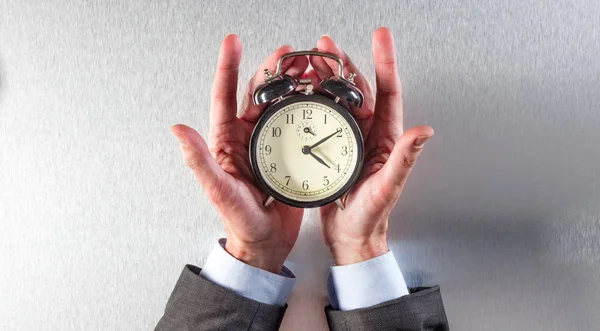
(320, 66)
(298, 67)
(405, 153)
(327, 45)
(294, 67)
(249, 111)
(389, 89)
(211, 176)
(224, 101)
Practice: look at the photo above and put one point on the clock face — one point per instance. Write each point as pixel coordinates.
(307, 153)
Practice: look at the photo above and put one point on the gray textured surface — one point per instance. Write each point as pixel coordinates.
(98, 213)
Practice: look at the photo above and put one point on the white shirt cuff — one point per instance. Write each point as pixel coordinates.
(253, 283)
(366, 283)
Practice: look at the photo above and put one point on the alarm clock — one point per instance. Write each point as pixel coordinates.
(306, 149)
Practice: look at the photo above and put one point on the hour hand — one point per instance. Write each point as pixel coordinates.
(320, 160)
(306, 150)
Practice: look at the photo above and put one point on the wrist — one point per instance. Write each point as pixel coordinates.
(356, 251)
(259, 255)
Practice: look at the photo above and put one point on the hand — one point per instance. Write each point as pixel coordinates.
(261, 237)
(358, 232)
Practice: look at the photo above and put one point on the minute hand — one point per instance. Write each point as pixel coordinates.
(324, 139)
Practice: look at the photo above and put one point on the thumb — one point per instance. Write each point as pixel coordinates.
(405, 154)
(198, 158)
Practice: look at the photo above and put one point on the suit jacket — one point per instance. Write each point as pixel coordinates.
(197, 304)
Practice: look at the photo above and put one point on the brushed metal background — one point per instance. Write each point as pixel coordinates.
(98, 214)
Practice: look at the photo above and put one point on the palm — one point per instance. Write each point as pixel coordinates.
(369, 197)
(223, 169)
(239, 199)
(389, 151)
(372, 197)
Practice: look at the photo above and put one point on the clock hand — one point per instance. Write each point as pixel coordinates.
(326, 138)
(319, 159)
(306, 150)
(308, 130)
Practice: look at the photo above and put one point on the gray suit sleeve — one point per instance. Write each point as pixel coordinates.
(422, 310)
(197, 304)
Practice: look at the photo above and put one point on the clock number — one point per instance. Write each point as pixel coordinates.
(337, 168)
(325, 181)
(289, 119)
(276, 132)
(305, 185)
(307, 114)
(273, 167)
(268, 149)
(344, 150)
(325, 119)
(287, 180)
(339, 132)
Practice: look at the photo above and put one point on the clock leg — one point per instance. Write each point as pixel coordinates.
(268, 201)
(340, 203)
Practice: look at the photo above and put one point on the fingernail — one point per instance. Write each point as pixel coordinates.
(230, 35)
(181, 139)
(421, 140)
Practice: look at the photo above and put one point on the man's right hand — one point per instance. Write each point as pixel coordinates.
(358, 232)
(261, 237)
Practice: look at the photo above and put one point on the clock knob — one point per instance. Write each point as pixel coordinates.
(268, 74)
